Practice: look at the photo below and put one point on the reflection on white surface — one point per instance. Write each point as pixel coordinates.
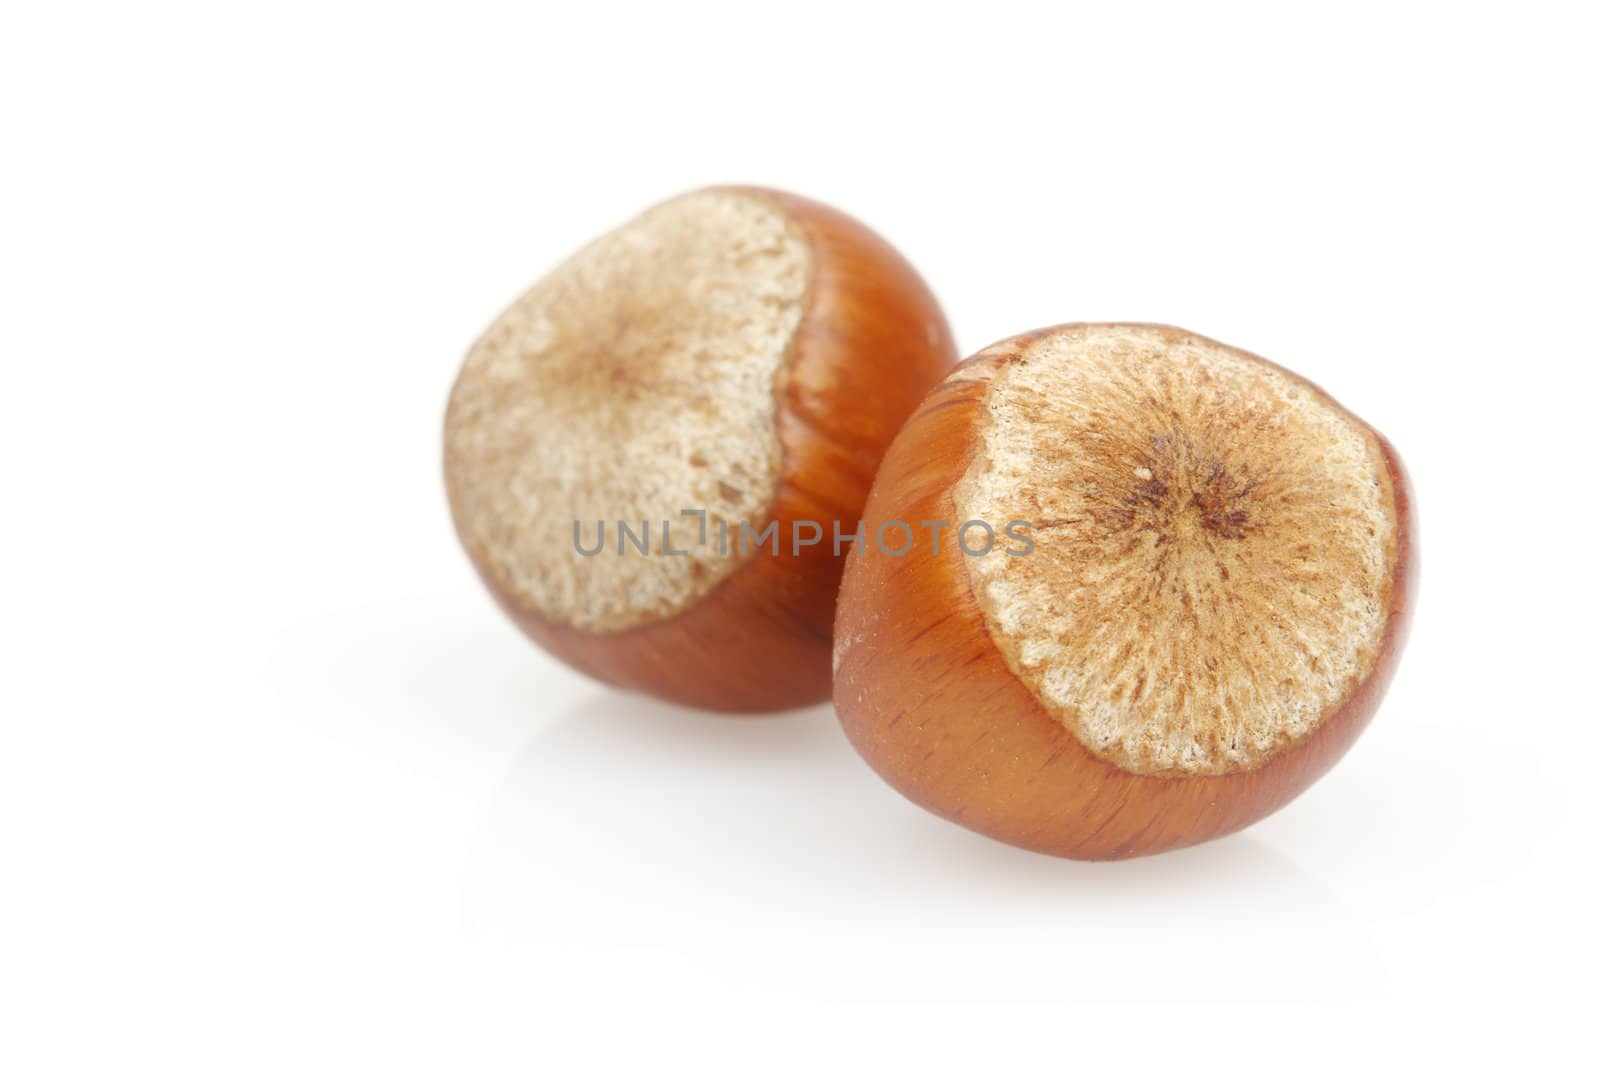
(684, 847)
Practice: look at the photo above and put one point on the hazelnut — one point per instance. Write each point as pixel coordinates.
(1211, 604)
(732, 357)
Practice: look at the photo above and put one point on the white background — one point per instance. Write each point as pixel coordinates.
(277, 782)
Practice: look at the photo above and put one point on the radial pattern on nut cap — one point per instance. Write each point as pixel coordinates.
(1214, 545)
(639, 379)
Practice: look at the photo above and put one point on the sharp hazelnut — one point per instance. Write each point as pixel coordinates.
(1212, 605)
(733, 356)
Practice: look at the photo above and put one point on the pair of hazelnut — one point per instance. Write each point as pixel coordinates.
(724, 455)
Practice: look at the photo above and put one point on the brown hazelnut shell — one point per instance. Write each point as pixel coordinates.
(871, 342)
(929, 701)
